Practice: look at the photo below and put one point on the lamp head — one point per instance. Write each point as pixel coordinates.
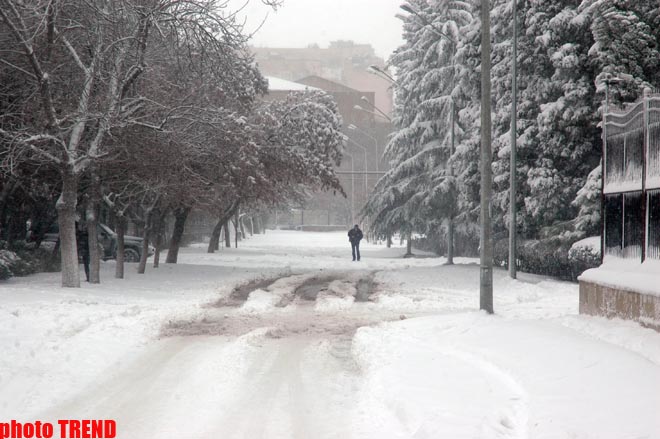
(407, 9)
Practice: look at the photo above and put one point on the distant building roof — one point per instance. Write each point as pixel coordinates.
(279, 84)
(327, 85)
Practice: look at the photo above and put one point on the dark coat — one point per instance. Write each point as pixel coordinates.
(355, 235)
(82, 239)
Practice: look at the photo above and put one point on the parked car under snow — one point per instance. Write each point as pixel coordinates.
(107, 240)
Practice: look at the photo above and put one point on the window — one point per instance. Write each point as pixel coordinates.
(653, 251)
(633, 224)
(613, 224)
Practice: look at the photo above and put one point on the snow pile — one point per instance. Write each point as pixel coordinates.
(279, 294)
(261, 301)
(339, 296)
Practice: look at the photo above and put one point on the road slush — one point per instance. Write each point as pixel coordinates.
(65, 429)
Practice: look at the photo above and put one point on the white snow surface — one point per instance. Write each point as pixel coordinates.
(626, 274)
(279, 84)
(591, 243)
(418, 360)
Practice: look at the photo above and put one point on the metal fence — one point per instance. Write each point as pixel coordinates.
(631, 180)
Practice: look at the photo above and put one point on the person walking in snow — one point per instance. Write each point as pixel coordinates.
(355, 236)
(82, 239)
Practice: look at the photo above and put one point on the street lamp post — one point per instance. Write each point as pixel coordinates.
(486, 250)
(373, 113)
(486, 157)
(352, 187)
(372, 105)
(366, 171)
(382, 73)
(514, 145)
(450, 222)
(356, 128)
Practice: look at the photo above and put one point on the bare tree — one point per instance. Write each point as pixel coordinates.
(84, 61)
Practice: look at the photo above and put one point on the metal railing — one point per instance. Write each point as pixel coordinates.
(631, 180)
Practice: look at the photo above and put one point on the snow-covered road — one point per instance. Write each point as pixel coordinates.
(279, 374)
(179, 354)
(206, 387)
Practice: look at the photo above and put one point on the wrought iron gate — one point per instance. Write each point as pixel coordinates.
(631, 180)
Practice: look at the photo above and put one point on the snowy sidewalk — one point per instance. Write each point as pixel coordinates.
(471, 375)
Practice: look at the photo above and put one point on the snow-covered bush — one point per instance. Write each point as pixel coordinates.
(553, 256)
(24, 260)
(548, 257)
(585, 253)
(539, 256)
(7, 260)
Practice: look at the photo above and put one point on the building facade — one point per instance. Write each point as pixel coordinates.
(364, 102)
(626, 284)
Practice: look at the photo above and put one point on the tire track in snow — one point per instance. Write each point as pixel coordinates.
(498, 399)
(507, 423)
(294, 396)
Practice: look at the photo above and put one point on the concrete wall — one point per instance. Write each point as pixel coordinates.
(600, 300)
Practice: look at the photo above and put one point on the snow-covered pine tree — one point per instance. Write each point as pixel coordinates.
(567, 138)
(419, 192)
(389, 207)
(625, 40)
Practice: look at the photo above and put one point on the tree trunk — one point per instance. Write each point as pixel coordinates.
(241, 223)
(251, 226)
(157, 249)
(214, 242)
(409, 246)
(146, 234)
(92, 220)
(145, 248)
(121, 229)
(158, 238)
(66, 218)
(225, 227)
(236, 230)
(389, 240)
(180, 217)
(450, 241)
(485, 167)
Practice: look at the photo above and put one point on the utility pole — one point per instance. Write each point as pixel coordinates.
(514, 145)
(486, 249)
(450, 222)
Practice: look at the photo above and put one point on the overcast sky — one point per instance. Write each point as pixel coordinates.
(299, 23)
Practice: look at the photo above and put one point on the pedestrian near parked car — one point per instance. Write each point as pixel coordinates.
(355, 236)
(82, 240)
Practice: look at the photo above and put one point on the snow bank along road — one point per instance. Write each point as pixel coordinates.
(312, 345)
